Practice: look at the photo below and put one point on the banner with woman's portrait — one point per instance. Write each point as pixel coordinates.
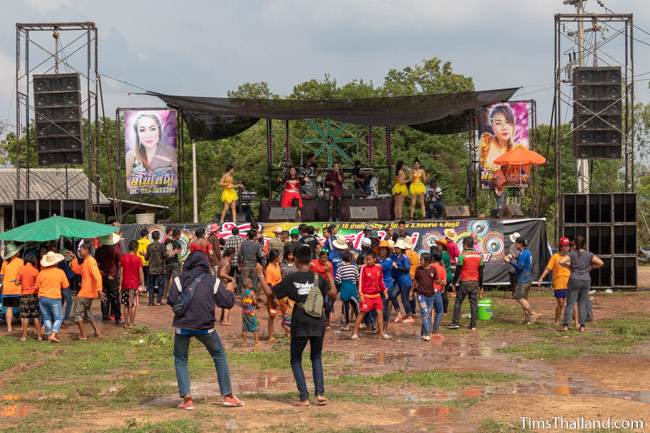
(502, 127)
(150, 148)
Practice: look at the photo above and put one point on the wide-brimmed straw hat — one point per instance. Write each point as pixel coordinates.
(408, 243)
(450, 233)
(400, 244)
(51, 259)
(111, 239)
(442, 241)
(384, 244)
(11, 250)
(278, 230)
(214, 228)
(340, 244)
(513, 237)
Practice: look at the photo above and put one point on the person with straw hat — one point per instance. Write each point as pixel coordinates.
(10, 290)
(402, 273)
(49, 283)
(108, 257)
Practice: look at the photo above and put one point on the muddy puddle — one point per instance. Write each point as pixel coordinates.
(15, 410)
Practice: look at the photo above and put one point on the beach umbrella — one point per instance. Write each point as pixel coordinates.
(55, 227)
(520, 156)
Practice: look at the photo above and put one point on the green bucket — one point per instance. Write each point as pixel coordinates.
(485, 309)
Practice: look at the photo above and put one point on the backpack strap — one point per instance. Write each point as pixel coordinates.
(316, 284)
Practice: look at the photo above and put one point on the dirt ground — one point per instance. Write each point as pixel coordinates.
(597, 387)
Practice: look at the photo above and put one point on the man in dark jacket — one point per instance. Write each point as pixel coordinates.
(197, 320)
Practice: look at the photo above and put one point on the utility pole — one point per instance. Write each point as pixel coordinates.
(582, 165)
(195, 203)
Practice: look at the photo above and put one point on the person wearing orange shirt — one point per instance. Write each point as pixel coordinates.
(272, 277)
(414, 260)
(10, 290)
(91, 288)
(26, 278)
(49, 283)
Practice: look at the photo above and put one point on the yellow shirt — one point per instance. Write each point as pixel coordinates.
(143, 243)
(561, 273)
(414, 260)
(9, 271)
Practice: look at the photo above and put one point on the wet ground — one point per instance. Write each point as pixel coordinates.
(616, 386)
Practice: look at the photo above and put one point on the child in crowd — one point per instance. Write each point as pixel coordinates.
(26, 279)
(249, 315)
(423, 282)
(131, 278)
(561, 276)
(347, 276)
(371, 286)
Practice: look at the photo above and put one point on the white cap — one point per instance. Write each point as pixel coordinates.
(366, 242)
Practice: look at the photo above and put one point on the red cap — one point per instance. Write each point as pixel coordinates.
(564, 241)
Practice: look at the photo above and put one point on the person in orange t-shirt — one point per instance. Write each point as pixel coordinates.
(10, 290)
(49, 283)
(91, 288)
(26, 278)
(272, 277)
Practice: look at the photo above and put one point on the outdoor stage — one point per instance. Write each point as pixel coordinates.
(319, 209)
(493, 236)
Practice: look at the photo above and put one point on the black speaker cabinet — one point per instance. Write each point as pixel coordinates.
(57, 101)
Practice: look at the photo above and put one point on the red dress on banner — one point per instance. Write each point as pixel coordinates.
(291, 192)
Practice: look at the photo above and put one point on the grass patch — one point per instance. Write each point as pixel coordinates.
(175, 426)
(299, 428)
(606, 337)
(440, 379)
(492, 426)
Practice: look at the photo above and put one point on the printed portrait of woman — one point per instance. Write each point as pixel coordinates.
(503, 127)
(150, 141)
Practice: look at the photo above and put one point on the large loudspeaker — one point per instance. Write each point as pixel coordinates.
(457, 211)
(282, 213)
(57, 101)
(608, 223)
(510, 211)
(363, 213)
(597, 118)
(28, 211)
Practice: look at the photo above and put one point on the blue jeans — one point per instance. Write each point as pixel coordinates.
(67, 300)
(156, 287)
(438, 307)
(212, 343)
(404, 288)
(297, 347)
(52, 314)
(426, 305)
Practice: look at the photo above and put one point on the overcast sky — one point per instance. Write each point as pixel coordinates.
(209, 47)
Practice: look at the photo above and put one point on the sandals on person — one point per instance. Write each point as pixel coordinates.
(321, 400)
(301, 403)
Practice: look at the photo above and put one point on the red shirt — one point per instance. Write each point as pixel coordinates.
(371, 280)
(201, 245)
(316, 266)
(441, 275)
(131, 265)
(471, 261)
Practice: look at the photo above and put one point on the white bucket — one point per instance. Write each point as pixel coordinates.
(145, 218)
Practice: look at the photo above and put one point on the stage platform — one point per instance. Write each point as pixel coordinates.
(318, 210)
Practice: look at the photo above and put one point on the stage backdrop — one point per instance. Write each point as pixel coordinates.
(502, 127)
(493, 236)
(150, 151)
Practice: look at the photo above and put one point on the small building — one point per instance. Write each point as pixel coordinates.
(58, 191)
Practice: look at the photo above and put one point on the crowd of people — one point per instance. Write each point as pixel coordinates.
(301, 278)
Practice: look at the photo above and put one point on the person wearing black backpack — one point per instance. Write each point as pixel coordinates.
(193, 295)
(307, 323)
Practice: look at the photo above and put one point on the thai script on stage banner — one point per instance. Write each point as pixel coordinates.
(150, 151)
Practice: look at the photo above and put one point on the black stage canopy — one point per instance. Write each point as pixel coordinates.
(211, 118)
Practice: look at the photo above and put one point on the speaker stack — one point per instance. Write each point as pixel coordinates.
(57, 101)
(597, 118)
(608, 223)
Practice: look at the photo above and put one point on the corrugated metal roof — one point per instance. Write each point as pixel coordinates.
(46, 184)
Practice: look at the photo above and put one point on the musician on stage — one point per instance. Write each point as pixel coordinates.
(334, 181)
(229, 195)
(310, 169)
(291, 194)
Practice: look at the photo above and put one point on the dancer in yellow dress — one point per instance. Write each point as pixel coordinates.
(417, 188)
(400, 191)
(229, 195)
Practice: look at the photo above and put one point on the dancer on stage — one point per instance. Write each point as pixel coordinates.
(400, 191)
(334, 180)
(418, 188)
(291, 193)
(229, 196)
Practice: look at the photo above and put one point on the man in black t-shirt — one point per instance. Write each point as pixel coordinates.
(305, 328)
(172, 265)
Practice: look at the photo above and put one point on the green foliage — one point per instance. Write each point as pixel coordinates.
(174, 426)
(439, 379)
